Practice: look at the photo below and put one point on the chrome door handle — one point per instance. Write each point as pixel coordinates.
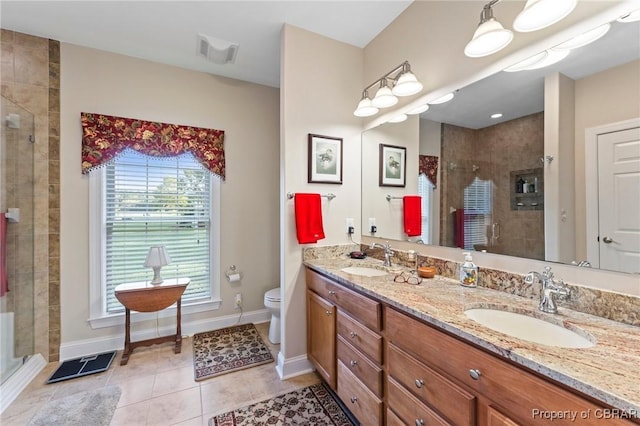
(475, 374)
(607, 240)
(419, 383)
(354, 399)
(419, 422)
(353, 363)
(328, 313)
(353, 334)
(332, 293)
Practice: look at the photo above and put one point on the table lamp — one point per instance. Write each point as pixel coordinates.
(156, 259)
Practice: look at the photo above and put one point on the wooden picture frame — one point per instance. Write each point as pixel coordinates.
(325, 159)
(392, 165)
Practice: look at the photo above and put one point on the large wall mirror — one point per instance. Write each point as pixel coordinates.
(492, 190)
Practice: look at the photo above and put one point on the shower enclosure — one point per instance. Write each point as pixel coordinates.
(16, 202)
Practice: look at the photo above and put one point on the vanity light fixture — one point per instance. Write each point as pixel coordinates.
(539, 14)
(584, 38)
(442, 99)
(399, 118)
(418, 110)
(630, 17)
(400, 81)
(491, 37)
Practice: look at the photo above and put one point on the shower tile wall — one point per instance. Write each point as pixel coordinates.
(496, 151)
(29, 77)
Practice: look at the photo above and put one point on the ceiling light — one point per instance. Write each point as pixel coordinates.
(418, 110)
(398, 118)
(384, 97)
(403, 83)
(442, 99)
(538, 14)
(630, 17)
(496, 115)
(525, 64)
(585, 38)
(217, 50)
(365, 109)
(489, 37)
(407, 83)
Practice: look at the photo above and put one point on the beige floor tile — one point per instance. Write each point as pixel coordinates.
(136, 390)
(173, 380)
(131, 415)
(224, 393)
(174, 407)
(196, 421)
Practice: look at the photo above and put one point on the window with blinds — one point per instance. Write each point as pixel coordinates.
(477, 212)
(156, 201)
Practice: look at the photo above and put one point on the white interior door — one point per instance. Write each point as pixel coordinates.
(619, 200)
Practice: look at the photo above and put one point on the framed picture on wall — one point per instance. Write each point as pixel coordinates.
(325, 159)
(393, 165)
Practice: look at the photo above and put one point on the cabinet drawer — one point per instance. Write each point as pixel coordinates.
(392, 419)
(368, 311)
(408, 408)
(360, 337)
(357, 398)
(509, 386)
(448, 399)
(369, 373)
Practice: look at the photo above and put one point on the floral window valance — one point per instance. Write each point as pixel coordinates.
(428, 164)
(106, 136)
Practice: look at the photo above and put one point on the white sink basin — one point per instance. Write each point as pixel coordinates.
(528, 328)
(364, 271)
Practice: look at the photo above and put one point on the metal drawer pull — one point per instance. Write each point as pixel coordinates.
(354, 399)
(419, 383)
(419, 422)
(353, 334)
(328, 313)
(353, 363)
(475, 374)
(332, 293)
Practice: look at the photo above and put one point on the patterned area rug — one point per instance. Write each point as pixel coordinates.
(228, 349)
(310, 406)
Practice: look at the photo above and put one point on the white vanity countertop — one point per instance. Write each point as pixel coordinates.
(608, 371)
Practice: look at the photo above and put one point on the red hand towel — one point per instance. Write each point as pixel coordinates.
(412, 207)
(4, 284)
(308, 209)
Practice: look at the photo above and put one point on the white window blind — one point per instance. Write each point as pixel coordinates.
(152, 201)
(425, 190)
(477, 212)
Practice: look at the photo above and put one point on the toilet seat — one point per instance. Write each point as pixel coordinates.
(273, 295)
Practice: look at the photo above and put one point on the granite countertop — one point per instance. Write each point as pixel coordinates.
(608, 371)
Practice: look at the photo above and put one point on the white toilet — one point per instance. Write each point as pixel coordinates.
(272, 303)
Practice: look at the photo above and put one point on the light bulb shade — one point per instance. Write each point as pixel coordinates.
(630, 17)
(526, 63)
(384, 98)
(365, 109)
(407, 85)
(490, 37)
(399, 118)
(157, 256)
(539, 14)
(418, 110)
(442, 99)
(584, 38)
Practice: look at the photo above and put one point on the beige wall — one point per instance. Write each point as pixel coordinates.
(96, 81)
(603, 98)
(321, 82)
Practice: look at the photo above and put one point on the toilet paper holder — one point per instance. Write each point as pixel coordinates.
(233, 274)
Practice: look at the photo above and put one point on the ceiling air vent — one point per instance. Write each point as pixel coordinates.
(216, 50)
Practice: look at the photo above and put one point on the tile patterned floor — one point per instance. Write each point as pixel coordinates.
(158, 388)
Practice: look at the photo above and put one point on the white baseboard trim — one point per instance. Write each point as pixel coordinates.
(292, 367)
(11, 388)
(80, 348)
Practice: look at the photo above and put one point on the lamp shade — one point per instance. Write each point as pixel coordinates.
(384, 97)
(365, 109)
(584, 38)
(539, 14)
(490, 37)
(630, 17)
(407, 85)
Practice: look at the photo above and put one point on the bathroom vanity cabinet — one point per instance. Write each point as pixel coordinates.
(389, 367)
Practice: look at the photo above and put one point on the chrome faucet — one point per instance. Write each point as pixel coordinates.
(550, 287)
(387, 251)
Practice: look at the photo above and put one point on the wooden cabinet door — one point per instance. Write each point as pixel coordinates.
(496, 418)
(321, 336)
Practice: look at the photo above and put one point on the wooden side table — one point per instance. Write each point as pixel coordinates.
(146, 297)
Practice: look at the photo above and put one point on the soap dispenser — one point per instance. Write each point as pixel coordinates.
(468, 272)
